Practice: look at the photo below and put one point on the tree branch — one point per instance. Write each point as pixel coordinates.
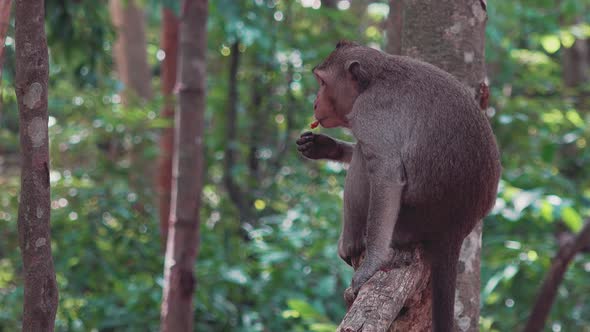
(548, 291)
(399, 293)
(236, 193)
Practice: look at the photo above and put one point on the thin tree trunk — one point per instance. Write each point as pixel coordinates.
(236, 193)
(394, 26)
(576, 72)
(287, 137)
(169, 44)
(32, 74)
(183, 237)
(576, 59)
(554, 277)
(576, 63)
(256, 132)
(130, 50)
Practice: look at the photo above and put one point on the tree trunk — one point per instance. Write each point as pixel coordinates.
(183, 237)
(576, 72)
(130, 50)
(576, 63)
(394, 27)
(576, 59)
(450, 35)
(32, 73)
(169, 44)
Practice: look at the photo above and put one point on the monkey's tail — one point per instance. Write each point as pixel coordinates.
(444, 256)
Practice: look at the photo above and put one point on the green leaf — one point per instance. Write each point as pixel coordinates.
(305, 309)
(290, 314)
(548, 152)
(236, 276)
(506, 274)
(550, 43)
(567, 38)
(575, 118)
(553, 116)
(546, 211)
(571, 218)
(323, 327)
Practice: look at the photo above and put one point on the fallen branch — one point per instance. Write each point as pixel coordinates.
(567, 251)
(398, 293)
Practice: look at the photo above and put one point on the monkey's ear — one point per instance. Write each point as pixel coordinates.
(358, 74)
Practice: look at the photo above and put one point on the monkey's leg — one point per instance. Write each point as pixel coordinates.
(356, 205)
(386, 187)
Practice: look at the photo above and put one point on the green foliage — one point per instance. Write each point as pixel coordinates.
(279, 269)
(80, 36)
(542, 128)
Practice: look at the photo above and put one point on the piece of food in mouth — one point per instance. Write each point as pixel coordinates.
(314, 124)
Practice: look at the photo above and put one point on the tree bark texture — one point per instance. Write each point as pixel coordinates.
(32, 74)
(394, 27)
(576, 63)
(4, 25)
(169, 44)
(388, 295)
(183, 236)
(548, 291)
(450, 35)
(130, 50)
(576, 59)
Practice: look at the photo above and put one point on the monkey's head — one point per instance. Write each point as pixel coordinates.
(342, 78)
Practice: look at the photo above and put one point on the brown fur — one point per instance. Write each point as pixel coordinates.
(425, 167)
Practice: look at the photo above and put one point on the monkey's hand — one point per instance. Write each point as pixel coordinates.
(370, 265)
(318, 146)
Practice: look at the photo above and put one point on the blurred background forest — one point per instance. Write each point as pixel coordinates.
(270, 220)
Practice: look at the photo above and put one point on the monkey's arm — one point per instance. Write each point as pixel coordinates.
(386, 181)
(318, 146)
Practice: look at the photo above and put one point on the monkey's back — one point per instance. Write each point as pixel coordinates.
(450, 155)
(448, 150)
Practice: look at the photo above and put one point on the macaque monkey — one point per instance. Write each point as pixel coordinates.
(425, 167)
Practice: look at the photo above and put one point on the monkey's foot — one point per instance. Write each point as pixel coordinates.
(352, 252)
(370, 266)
